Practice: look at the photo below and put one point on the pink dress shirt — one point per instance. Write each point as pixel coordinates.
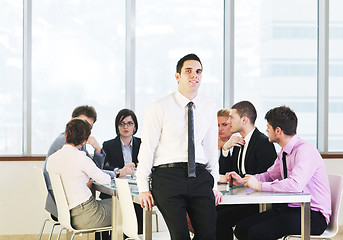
(306, 173)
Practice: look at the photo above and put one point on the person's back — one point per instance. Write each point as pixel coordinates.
(50, 204)
(89, 114)
(76, 170)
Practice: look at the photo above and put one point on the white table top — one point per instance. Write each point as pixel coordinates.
(243, 195)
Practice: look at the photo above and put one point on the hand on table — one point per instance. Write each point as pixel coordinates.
(237, 180)
(128, 169)
(251, 182)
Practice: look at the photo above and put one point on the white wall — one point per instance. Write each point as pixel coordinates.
(20, 204)
(21, 208)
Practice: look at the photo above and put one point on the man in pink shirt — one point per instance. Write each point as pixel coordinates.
(298, 168)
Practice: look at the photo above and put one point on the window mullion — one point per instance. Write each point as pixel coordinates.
(27, 78)
(322, 76)
(228, 70)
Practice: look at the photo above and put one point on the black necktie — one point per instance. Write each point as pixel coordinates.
(284, 164)
(240, 160)
(191, 151)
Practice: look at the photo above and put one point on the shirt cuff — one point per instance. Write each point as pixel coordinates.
(100, 154)
(225, 152)
(111, 173)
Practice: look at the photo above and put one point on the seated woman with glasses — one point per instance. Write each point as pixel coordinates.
(121, 152)
(75, 169)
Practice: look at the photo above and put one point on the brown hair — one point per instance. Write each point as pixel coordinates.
(284, 118)
(77, 131)
(246, 108)
(86, 110)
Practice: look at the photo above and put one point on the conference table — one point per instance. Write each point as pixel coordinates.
(231, 195)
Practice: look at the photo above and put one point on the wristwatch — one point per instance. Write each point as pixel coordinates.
(116, 172)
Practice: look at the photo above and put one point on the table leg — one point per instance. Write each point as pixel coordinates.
(117, 231)
(305, 221)
(264, 207)
(147, 225)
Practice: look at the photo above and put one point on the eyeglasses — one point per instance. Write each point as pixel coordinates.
(129, 124)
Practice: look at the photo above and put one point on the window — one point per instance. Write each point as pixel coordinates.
(335, 76)
(168, 30)
(275, 59)
(77, 59)
(11, 75)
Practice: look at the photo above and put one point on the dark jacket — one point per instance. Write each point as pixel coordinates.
(259, 156)
(114, 154)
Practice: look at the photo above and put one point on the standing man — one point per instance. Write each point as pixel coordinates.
(252, 153)
(87, 113)
(298, 168)
(179, 154)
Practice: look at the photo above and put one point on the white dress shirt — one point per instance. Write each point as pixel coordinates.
(165, 136)
(245, 147)
(75, 169)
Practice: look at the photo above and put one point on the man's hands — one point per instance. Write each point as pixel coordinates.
(248, 181)
(233, 141)
(251, 182)
(222, 179)
(237, 180)
(146, 200)
(128, 169)
(92, 141)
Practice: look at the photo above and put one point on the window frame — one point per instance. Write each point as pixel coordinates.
(228, 73)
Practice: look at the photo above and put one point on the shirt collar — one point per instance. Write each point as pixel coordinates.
(123, 144)
(248, 136)
(72, 147)
(290, 145)
(183, 101)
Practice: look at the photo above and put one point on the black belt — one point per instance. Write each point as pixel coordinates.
(179, 165)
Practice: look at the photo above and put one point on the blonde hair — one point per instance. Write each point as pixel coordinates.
(223, 113)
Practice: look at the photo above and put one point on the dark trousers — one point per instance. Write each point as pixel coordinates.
(280, 221)
(229, 215)
(175, 194)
